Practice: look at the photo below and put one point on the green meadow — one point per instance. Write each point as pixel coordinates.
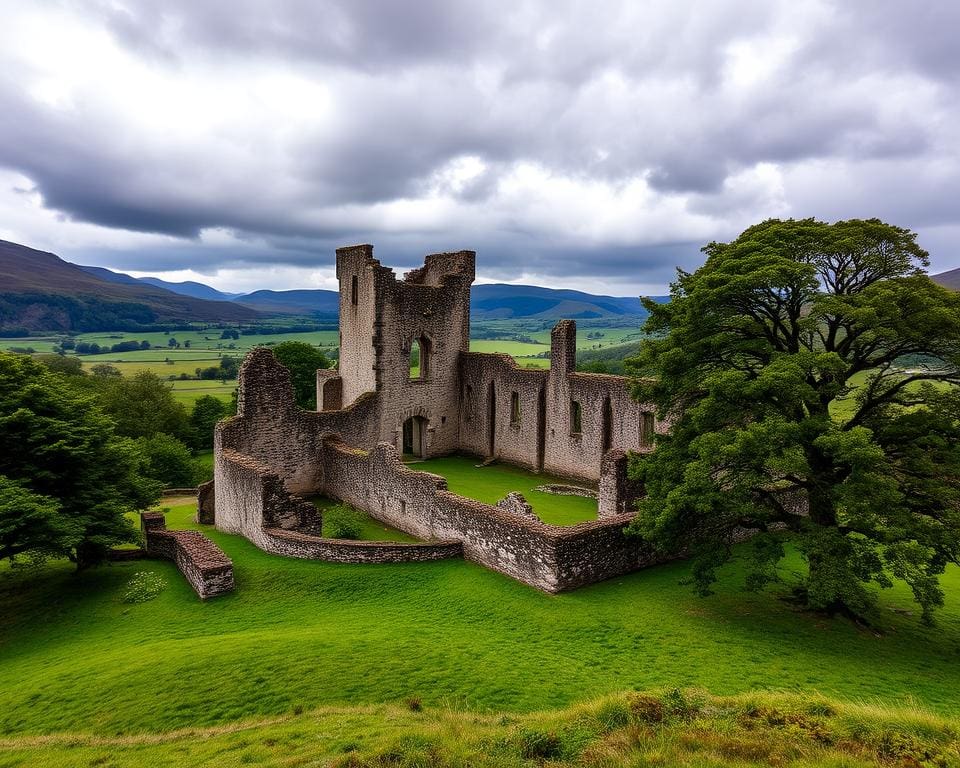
(299, 634)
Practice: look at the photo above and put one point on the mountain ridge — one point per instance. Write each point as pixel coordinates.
(41, 291)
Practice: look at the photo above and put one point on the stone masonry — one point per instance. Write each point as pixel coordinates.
(372, 410)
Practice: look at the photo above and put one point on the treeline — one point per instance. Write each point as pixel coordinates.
(84, 452)
(607, 359)
(71, 313)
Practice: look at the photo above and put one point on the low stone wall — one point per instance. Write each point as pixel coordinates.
(551, 558)
(207, 569)
(559, 489)
(277, 521)
(293, 544)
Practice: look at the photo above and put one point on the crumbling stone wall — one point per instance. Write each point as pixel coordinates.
(551, 558)
(280, 522)
(204, 565)
(271, 454)
(502, 409)
(381, 318)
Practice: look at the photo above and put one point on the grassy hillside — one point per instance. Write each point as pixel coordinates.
(39, 290)
(658, 728)
(296, 633)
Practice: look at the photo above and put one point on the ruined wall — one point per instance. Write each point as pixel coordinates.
(359, 276)
(487, 423)
(259, 508)
(544, 436)
(609, 416)
(551, 558)
(204, 565)
(381, 320)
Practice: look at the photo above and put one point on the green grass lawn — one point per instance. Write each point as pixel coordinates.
(491, 483)
(298, 633)
(371, 530)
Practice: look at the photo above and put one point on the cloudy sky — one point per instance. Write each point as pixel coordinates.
(575, 144)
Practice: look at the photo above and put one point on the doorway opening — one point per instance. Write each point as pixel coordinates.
(415, 437)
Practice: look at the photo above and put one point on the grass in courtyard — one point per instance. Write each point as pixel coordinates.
(491, 483)
(298, 633)
(671, 727)
(303, 633)
(371, 530)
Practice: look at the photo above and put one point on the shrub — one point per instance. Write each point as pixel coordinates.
(342, 522)
(143, 587)
(539, 745)
(613, 715)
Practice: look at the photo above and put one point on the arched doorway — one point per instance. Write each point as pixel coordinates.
(415, 436)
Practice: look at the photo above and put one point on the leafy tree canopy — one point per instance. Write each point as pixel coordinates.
(754, 348)
(142, 405)
(66, 479)
(207, 411)
(302, 360)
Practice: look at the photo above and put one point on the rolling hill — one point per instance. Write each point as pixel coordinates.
(41, 291)
(297, 302)
(496, 300)
(950, 279)
(490, 301)
(185, 288)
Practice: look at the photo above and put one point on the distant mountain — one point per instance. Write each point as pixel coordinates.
(186, 288)
(949, 279)
(41, 291)
(300, 302)
(497, 300)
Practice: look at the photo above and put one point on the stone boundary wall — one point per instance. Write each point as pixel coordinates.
(550, 558)
(257, 501)
(204, 565)
(560, 489)
(178, 491)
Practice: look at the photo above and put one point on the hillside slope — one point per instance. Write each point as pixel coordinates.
(185, 288)
(297, 302)
(497, 300)
(949, 279)
(41, 291)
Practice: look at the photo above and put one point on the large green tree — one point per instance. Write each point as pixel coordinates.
(302, 360)
(809, 370)
(142, 405)
(67, 479)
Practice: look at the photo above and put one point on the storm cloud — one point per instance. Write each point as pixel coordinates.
(570, 143)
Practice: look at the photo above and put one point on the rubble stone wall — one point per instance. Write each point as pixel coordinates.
(544, 556)
(282, 523)
(204, 565)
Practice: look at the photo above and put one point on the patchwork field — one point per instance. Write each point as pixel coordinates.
(302, 634)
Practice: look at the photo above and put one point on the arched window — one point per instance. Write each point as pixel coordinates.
(515, 408)
(646, 429)
(353, 290)
(420, 358)
(576, 418)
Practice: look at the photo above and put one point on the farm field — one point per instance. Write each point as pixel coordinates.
(304, 634)
(491, 483)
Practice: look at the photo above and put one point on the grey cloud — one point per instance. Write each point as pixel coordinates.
(637, 91)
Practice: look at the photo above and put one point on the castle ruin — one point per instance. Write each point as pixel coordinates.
(376, 407)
